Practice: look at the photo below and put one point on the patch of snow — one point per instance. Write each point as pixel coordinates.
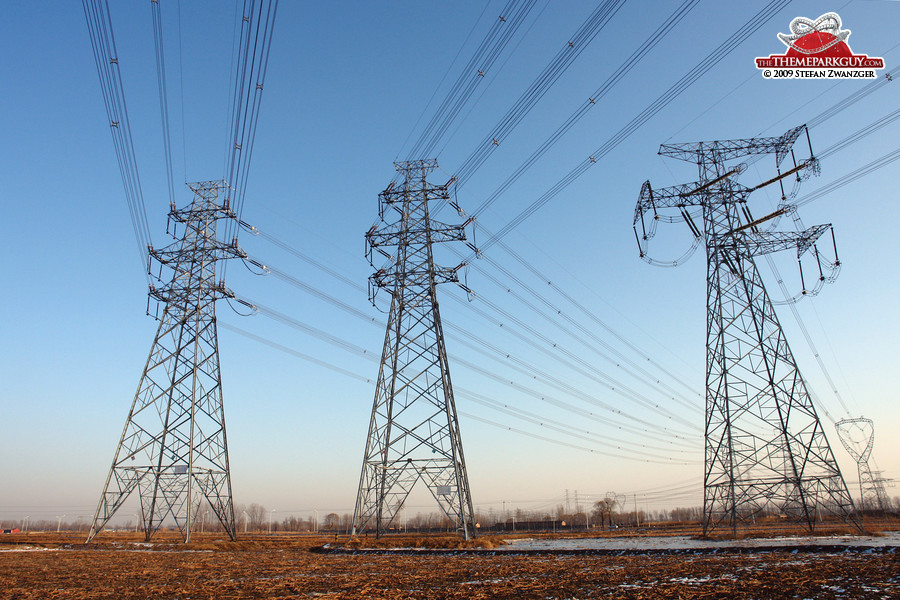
(682, 542)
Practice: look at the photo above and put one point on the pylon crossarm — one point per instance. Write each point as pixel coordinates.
(173, 254)
(685, 195)
(386, 279)
(393, 235)
(724, 150)
(758, 244)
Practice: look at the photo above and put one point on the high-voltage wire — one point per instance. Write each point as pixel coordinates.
(471, 164)
(829, 113)
(854, 97)
(257, 27)
(881, 161)
(537, 374)
(444, 78)
(545, 398)
(608, 380)
(558, 65)
(296, 353)
(583, 367)
(480, 345)
(511, 19)
(550, 440)
(566, 428)
(616, 360)
(351, 283)
(713, 58)
(661, 457)
(560, 442)
(588, 313)
(347, 280)
(840, 106)
(809, 342)
(346, 345)
(860, 134)
(159, 46)
(106, 58)
(480, 342)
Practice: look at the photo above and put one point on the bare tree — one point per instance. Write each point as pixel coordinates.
(332, 521)
(603, 510)
(257, 514)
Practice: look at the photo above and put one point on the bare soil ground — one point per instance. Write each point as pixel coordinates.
(45, 566)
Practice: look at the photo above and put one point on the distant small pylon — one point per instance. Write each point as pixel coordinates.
(414, 430)
(858, 438)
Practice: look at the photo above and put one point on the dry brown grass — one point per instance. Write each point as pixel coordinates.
(280, 567)
(119, 566)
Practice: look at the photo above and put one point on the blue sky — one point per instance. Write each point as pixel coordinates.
(347, 83)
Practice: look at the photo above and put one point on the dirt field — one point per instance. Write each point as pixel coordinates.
(119, 566)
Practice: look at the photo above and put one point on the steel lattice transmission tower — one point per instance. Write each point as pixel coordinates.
(858, 437)
(414, 430)
(173, 449)
(765, 446)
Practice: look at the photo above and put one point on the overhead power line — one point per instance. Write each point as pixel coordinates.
(640, 452)
(163, 94)
(823, 117)
(473, 73)
(487, 348)
(106, 58)
(567, 444)
(866, 169)
(477, 158)
(257, 27)
(713, 58)
(558, 65)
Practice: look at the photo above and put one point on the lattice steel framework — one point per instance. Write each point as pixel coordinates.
(414, 430)
(765, 446)
(858, 438)
(173, 449)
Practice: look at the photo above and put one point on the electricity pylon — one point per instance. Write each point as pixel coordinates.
(858, 438)
(173, 448)
(414, 430)
(765, 445)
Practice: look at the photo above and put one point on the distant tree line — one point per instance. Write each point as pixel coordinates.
(609, 512)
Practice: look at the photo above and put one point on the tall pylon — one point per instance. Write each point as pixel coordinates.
(765, 446)
(414, 430)
(858, 438)
(173, 449)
